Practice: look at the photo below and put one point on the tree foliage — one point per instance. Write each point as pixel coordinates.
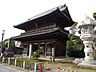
(37, 53)
(73, 42)
(70, 43)
(5, 43)
(10, 42)
(75, 46)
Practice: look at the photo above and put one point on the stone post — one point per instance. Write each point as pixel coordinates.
(35, 67)
(24, 64)
(3, 59)
(9, 60)
(15, 62)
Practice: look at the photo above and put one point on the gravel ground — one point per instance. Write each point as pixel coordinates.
(68, 67)
(65, 66)
(7, 68)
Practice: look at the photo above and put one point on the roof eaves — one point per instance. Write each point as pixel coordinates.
(62, 7)
(40, 33)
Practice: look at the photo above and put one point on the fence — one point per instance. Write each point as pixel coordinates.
(36, 67)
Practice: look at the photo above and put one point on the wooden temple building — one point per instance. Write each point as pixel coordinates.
(46, 30)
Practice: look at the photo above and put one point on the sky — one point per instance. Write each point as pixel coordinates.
(13, 12)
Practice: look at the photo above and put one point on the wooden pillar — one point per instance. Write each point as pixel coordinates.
(45, 48)
(30, 50)
(38, 45)
(27, 50)
(53, 54)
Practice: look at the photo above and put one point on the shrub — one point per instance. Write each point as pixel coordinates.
(40, 50)
(36, 55)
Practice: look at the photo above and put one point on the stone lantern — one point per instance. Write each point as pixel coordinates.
(87, 33)
(87, 36)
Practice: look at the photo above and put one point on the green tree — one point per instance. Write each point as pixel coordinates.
(70, 42)
(73, 42)
(5, 43)
(12, 43)
(75, 46)
(9, 42)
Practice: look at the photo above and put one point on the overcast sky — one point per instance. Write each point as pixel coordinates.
(14, 12)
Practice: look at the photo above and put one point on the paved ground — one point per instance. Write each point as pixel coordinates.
(6, 68)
